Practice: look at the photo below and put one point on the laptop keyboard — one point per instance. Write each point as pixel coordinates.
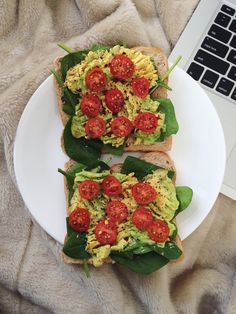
(214, 64)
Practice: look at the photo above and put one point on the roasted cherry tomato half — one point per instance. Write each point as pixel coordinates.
(142, 218)
(96, 79)
(106, 232)
(95, 127)
(79, 219)
(122, 67)
(121, 126)
(114, 100)
(89, 189)
(90, 105)
(158, 231)
(140, 86)
(146, 122)
(143, 193)
(111, 186)
(117, 211)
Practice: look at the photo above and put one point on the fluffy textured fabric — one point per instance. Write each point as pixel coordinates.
(33, 278)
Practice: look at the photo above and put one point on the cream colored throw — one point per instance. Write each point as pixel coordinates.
(33, 279)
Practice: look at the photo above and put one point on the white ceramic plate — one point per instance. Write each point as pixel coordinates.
(198, 151)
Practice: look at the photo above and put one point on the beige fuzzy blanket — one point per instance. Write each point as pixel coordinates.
(33, 279)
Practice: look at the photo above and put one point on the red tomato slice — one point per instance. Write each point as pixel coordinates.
(146, 122)
(79, 219)
(121, 126)
(143, 193)
(122, 67)
(95, 127)
(96, 79)
(140, 86)
(106, 232)
(90, 105)
(158, 231)
(142, 218)
(89, 189)
(111, 186)
(117, 211)
(114, 100)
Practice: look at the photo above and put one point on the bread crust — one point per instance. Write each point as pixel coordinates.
(158, 158)
(162, 66)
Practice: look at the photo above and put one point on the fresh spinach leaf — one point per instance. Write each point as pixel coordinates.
(76, 57)
(103, 166)
(69, 101)
(174, 234)
(184, 195)
(99, 47)
(71, 60)
(170, 250)
(170, 174)
(141, 168)
(143, 264)
(118, 151)
(167, 108)
(75, 244)
(70, 176)
(143, 249)
(81, 150)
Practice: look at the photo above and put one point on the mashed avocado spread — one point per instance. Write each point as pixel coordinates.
(163, 207)
(144, 67)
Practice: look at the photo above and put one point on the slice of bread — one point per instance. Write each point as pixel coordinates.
(158, 158)
(161, 62)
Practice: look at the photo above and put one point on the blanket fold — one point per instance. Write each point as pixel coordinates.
(33, 278)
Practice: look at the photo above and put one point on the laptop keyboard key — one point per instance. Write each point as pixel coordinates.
(232, 56)
(233, 42)
(233, 96)
(232, 26)
(195, 70)
(225, 86)
(219, 33)
(232, 73)
(215, 47)
(211, 61)
(227, 9)
(209, 78)
(222, 19)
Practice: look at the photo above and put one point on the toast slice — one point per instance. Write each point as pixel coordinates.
(158, 158)
(161, 62)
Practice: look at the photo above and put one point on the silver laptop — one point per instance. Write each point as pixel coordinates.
(208, 47)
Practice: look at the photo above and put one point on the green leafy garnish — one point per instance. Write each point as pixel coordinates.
(70, 176)
(184, 195)
(86, 268)
(81, 150)
(143, 263)
(172, 125)
(141, 168)
(160, 82)
(57, 77)
(71, 60)
(118, 151)
(69, 100)
(65, 47)
(75, 244)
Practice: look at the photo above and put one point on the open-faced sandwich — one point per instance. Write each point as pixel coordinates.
(124, 214)
(114, 99)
